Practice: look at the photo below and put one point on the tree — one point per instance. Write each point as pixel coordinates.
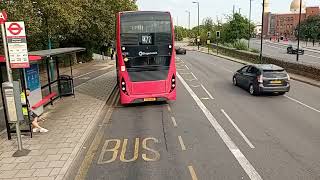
(236, 28)
(88, 24)
(310, 28)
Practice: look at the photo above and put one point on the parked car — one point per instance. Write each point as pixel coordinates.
(291, 50)
(262, 78)
(180, 50)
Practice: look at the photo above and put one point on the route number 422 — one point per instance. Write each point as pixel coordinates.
(112, 147)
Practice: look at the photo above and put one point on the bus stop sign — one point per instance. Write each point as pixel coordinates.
(3, 17)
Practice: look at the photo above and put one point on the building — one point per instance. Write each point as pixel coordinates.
(284, 25)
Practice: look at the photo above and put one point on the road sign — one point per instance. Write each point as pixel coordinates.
(3, 17)
(17, 45)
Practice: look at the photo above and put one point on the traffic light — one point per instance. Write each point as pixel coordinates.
(209, 34)
(218, 34)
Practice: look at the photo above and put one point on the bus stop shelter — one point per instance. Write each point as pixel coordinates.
(43, 79)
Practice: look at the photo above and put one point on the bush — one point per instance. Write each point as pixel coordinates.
(241, 44)
(255, 50)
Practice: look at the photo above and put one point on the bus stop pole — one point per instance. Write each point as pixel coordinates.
(9, 72)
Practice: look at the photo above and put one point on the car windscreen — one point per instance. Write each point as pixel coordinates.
(274, 74)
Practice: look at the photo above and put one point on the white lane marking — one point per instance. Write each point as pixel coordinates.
(181, 69)
(301, 103)
(195, 86)
(1, 108)
(185, 73)
(192, 173)
(194, 76)
(174, 122)
(209, 94)
(238, 129)
(183, 147)
(187, 67)
(205, 98)
(243, 161)
(169, 108)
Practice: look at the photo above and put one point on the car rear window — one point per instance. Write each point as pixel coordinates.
(274, 74)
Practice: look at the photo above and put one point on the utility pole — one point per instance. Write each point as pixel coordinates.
(299, 30)
(262, 25)
(198, 39)
(239, 10)
(249, 24)
(234, 7)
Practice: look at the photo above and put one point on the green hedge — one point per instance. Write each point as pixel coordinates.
(292, 67)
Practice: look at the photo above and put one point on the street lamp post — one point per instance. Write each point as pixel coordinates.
(299, 30)
(249, 24)
(262, 25)
(197, 2)
(188, 18)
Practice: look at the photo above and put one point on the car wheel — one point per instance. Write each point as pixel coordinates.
(234, 81)
(252, 91)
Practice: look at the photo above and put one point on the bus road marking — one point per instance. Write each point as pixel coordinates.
(207, 91)
(192, 173)
(238, 129)
(116, 144)
(183, 147)
(174, 122)
(233, 148)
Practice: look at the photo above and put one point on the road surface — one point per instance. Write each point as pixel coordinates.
(311, 57)
(213, 131)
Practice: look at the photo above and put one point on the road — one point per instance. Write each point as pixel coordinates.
(311, 57)
(86, 73)
(213, 131)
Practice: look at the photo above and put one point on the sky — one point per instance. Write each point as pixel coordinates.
(215, 8)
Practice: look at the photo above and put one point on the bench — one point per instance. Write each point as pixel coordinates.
(44, 101)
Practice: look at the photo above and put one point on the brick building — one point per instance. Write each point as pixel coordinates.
(284, 25)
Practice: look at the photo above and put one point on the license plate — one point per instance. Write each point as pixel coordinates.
(149, 99)
(275, 82)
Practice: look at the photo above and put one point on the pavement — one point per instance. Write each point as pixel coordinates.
(279, 51)
(82, 72)
(70, 122)
(213, 130)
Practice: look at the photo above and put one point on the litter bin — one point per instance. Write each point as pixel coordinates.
(66, 85)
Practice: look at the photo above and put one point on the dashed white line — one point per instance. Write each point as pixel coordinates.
(192, 173)
(209, 94)
(187, 67)
(195, 86)
(194, 76)
(238, 129)
(183, 147)
(174, 122)
(301, 103)
(243, 161)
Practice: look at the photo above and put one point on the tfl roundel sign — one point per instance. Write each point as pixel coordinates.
(15, 29)
(3, 17)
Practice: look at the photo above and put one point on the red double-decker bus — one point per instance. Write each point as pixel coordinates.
(146, 69)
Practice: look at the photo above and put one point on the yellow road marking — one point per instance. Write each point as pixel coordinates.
(124, 149)
(156, 153)
(183, 147)
(193, 173)
(174, 122)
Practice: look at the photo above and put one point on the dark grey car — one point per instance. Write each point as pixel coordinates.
(262, 78)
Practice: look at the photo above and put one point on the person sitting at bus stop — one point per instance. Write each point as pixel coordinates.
(33, 116)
